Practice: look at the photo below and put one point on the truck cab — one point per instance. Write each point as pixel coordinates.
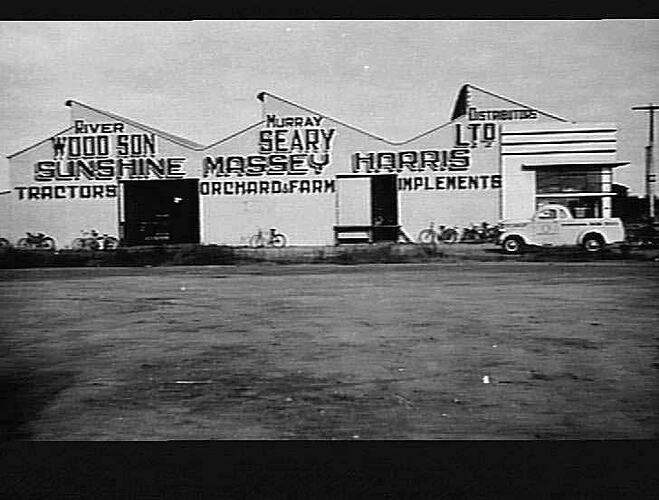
(554, 225)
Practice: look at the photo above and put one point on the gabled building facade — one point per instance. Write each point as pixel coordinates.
(314, 178)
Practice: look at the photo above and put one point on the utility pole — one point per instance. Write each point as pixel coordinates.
(649, 158)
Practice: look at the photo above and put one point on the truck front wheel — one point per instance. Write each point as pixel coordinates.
(513, 245)
(593, 243)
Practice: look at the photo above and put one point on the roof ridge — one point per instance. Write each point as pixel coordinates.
(174, 138)
(182, 141)
(231, 136)
(261, 94)
(498, 96)
(38, 143)
(390, 142)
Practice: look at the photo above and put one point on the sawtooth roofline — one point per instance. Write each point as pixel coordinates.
(260, 96)
(24, 150)
(460, 105)
(462, 100)
(181, 141)
(235, 134)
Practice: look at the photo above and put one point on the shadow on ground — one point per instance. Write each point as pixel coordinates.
(25, 390)
(383, 253)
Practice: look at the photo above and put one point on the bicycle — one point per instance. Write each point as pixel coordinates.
(92, 240)
(38, 241)
(267, 239)
(443, 234)
(4, 243)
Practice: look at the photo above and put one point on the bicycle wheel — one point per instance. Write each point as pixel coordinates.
(91, 244)
(469, 236)
(450, 236)
(278, 240)
(256, 241)
(47, 244)
(23, 243)
(111, 243)
(427, 236)
(78, 244)
(4, 243)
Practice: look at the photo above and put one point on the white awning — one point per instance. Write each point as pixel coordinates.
(612, 164)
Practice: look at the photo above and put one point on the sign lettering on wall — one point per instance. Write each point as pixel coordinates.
(411, 161)
(288, 145)
(98, 152)
(502, 114)
(102, 151)
(457, 160)
(293, 186)
(449, 183)
(66, 191)
(473, 134)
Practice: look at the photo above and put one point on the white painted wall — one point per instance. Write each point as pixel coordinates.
(307, 218)
(354, 201)
(525, 146)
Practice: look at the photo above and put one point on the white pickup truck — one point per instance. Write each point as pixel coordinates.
(553, 225)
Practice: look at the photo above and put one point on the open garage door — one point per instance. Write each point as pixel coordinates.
(366, 208)
(161, 212)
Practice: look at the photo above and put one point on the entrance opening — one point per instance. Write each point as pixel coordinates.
(161, 212)
(367, 208)
(384, 208)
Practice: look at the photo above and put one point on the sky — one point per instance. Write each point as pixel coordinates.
(199, 79)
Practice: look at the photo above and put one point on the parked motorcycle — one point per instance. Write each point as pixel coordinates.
(36, 241)
(92, 240)
(492, 233)
(472, 234)
(485, 233)
(644, 234)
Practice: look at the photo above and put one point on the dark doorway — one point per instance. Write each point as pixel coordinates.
(161, 212)
(384, 207)
(367, 208)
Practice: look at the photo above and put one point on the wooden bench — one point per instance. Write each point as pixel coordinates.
(365, 234)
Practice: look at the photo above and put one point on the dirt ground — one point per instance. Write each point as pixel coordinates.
(570, 351)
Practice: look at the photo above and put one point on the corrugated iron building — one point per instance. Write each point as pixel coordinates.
(311, 176)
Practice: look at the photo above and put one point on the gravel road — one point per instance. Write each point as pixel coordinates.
(410, 351)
